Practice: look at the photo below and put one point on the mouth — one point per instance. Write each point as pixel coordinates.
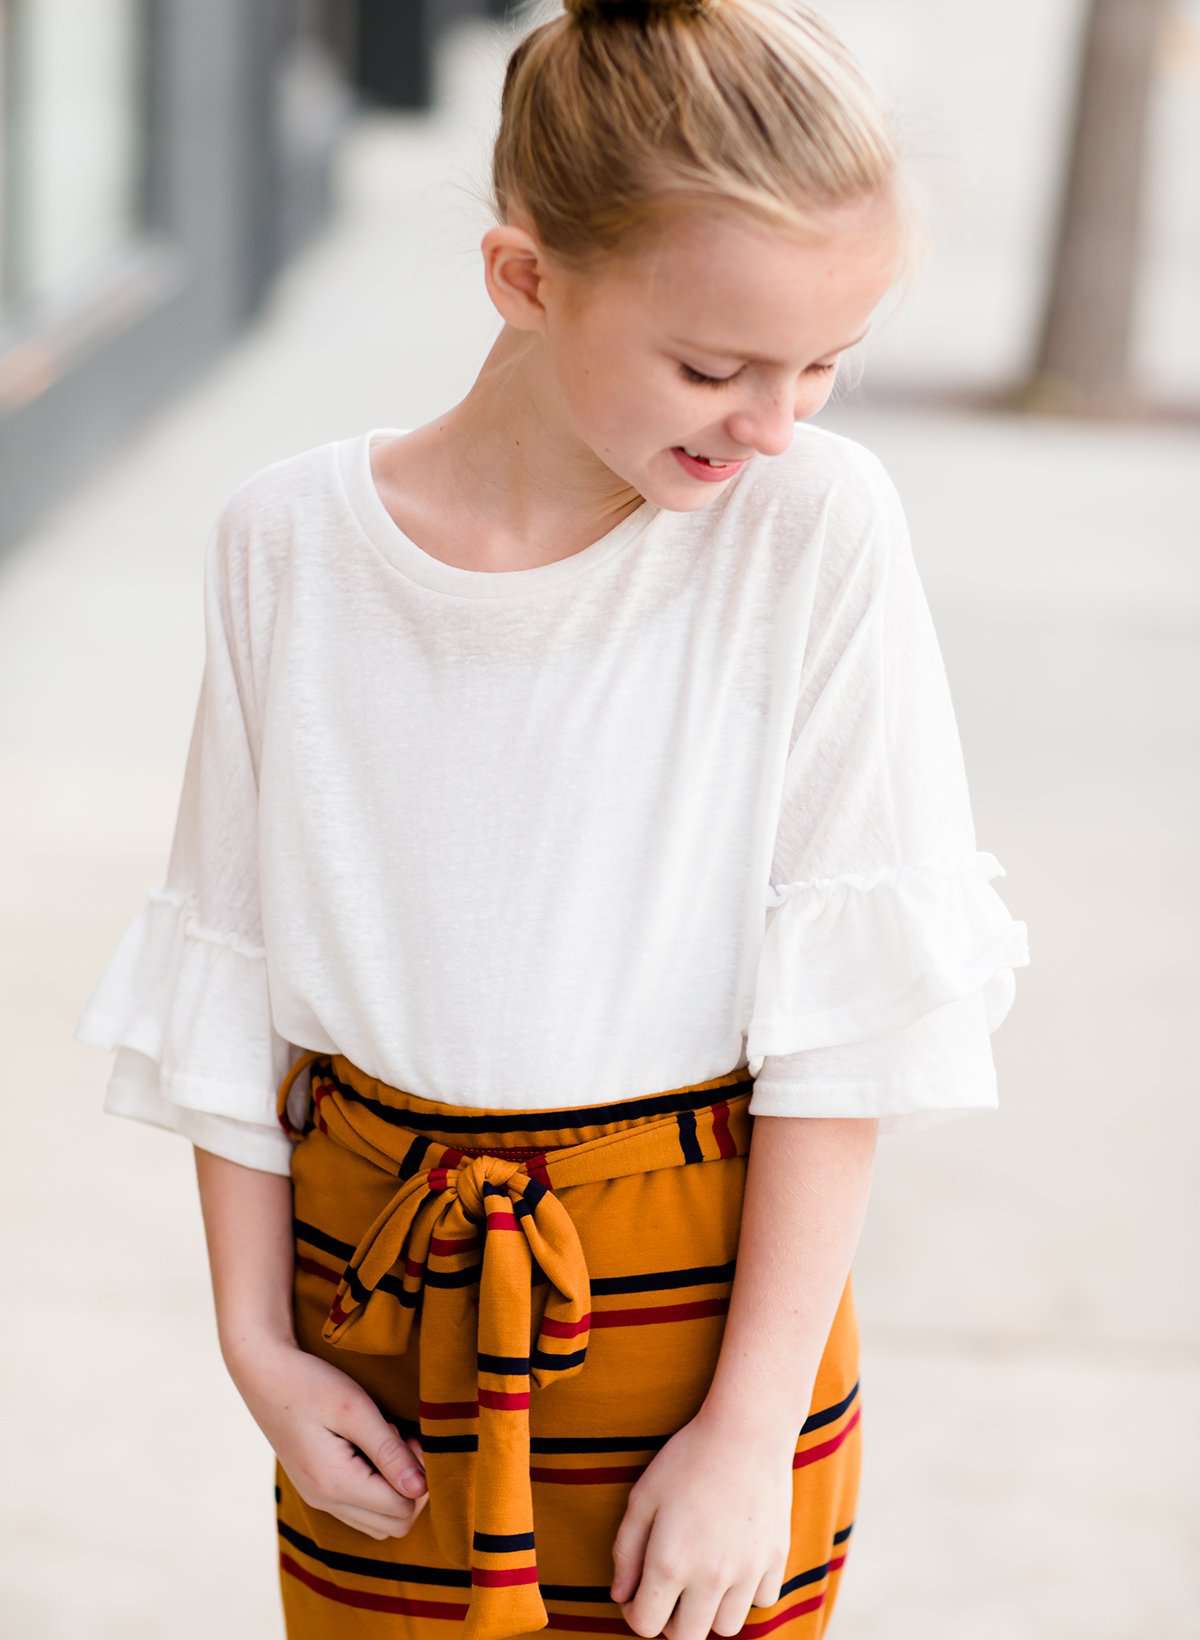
(706, 466)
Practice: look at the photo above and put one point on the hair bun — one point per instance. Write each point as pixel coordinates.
(599, 11)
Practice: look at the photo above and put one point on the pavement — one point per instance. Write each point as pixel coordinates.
(1026, 1278)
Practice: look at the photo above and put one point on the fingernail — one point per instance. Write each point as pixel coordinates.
(414, 1484)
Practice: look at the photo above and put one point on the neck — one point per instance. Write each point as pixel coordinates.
(508, 444)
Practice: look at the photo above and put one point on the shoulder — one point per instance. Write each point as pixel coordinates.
(258, 529)
(273, 500)
(826, 506)
(829, 471)
(262, 523)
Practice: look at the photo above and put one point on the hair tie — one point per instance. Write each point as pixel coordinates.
(602, 11)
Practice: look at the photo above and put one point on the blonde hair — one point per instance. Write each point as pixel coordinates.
(614, 113)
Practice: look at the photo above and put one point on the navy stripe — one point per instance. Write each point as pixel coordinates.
(828, 1415)
(316, 1237)
(502, 1543)
(597, 1443)
(414, 1157)
(699, 1275)
(543, 1358)
(815, 1573)
(406, 1571)
(443, 1443)
(517, 1364)
(688, 1142)
(390, 1284)
(395, 1571)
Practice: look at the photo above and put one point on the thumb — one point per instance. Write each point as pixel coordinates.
(391, 1454)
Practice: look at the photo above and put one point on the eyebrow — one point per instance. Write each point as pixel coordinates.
(755, 358)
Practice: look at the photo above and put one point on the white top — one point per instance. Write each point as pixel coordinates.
(690, 798)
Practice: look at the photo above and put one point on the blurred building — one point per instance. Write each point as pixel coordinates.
(160, 163)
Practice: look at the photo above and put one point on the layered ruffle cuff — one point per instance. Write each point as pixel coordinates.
(877, 992)
(186, 1008)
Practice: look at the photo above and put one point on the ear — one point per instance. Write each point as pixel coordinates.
(513, 270)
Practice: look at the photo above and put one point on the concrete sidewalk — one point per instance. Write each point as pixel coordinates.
(1026, 1279)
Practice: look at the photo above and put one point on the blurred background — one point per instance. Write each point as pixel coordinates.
(231, 231)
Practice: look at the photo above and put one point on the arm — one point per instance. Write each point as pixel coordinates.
(334, 1443)
(807, 1185)
(248, 1227)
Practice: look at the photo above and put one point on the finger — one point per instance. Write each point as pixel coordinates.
(376, 1496)
(658, 1591)
(371, 1522)
(770, 1588)
(693, 1616)
(354, 1481)
(733, 1610)
(382, 1443)
(628, 1552)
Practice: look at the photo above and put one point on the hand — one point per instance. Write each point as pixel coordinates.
(336, 1447)
(708, 1525)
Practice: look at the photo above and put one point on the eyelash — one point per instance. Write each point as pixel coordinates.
(696, 376)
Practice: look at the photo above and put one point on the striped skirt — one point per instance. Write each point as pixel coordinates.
(539, 1297)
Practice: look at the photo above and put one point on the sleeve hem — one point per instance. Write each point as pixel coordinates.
(248, 1143)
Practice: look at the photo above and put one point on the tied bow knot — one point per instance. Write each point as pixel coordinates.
(472, 1177)
(456, 1248)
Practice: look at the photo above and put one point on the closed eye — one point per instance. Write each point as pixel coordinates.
(700, 379)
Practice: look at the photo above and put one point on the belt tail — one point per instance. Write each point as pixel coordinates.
(506, 1597)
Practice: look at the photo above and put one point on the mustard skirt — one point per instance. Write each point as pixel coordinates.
(539, 1297)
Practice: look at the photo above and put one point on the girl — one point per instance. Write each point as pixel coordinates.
(574, 794)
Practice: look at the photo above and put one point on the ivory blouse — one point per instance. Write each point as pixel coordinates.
(689, 799)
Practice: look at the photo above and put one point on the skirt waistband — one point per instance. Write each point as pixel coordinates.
(489, 1129)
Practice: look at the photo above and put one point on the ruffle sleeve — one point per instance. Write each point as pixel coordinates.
(887, 956)
(184, 999)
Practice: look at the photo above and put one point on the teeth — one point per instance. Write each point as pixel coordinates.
(698, 455)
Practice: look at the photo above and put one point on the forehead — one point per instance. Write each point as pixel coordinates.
(717, 278)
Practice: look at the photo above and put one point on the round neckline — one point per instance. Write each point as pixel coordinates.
(418, 565)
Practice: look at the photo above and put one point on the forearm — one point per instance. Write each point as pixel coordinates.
(248, 1227)
(807, 1185)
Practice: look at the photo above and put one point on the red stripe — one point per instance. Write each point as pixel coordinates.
(659, 1312)
(588, 1477)
(812, 1453)
(303, 1262)
(370, 1602)
(720, 1121)
(800, 1609)
(447, 1409)
(536, 1169)
(502, 1577)
(449, 1245)
(566, 1329)
(504, 1400)
(499, 1219)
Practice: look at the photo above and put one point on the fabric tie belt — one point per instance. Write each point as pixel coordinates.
(496, 1220)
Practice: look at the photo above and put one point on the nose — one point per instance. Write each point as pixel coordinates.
(768, 429)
